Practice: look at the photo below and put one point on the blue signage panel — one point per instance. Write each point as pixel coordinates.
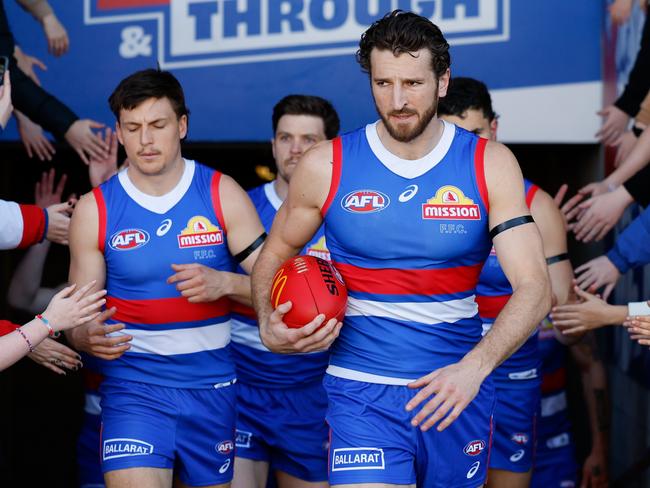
(236, 58)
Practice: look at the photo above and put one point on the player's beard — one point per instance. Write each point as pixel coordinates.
(406, 134)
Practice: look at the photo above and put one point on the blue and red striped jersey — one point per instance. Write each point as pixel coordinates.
(409, 238)
(175, 343)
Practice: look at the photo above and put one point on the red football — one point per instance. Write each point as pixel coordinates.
(313, 286)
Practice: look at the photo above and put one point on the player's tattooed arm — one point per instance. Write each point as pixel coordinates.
(296, 222)
(521, 256)
(87, 264)
(594, 385)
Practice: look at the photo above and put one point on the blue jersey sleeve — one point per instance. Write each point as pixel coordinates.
(631, 249)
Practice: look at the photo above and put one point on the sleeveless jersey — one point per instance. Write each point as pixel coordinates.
(553, 424)
(256, 365)
(493, 292)
(409, 239)
(175, 343)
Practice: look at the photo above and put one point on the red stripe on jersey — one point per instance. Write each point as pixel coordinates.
(33, 225)
(410, 281)
(554, 381)
(113, 4)
(101, 222)
(241, 309)
(166, 310)
(337, 159)
(530, 194)
(479, 169)
(91, 380)
(490, 307)
(216, 199)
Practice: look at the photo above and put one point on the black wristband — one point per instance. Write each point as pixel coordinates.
(240, 256)
(557, 258)
(509, 224)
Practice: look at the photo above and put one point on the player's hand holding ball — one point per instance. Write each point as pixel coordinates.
(309, 300)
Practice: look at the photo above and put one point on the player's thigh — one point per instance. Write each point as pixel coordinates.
(285, 480)
(498, 478)
(249, 473)
(179, 484)
(139, 478)
(373, 485)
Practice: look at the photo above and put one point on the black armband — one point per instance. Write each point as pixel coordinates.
(240, 256)
(557, 258)
(509, 224)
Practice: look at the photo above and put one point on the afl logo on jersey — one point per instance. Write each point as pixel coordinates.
(365, 201)
(474, 448)
(450, 203)
(200, 232)
(128, 239)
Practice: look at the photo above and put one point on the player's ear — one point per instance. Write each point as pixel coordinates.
(118, 132)
(182, 126)
(273, 147)
(494, 125)
(443, 83)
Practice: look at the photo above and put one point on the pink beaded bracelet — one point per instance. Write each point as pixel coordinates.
(29, 343)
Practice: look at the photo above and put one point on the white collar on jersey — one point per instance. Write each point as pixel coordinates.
(407, 168)
(272, 195)
(163, 203)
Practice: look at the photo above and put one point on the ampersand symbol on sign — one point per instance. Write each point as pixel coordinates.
(135, 42)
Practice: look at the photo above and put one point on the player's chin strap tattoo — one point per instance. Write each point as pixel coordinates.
(509, 224)
(240, 256)
(558, 258)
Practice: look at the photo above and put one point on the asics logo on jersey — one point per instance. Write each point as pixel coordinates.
(224, 467)
(200, 232)
(128, 239)
(450, 203)
(474, 448)
(519, 438)
(117, 448)
(165, 225)
(407, 194)
(365, 201)
(473, 470)
(354, 458)
(517, 456)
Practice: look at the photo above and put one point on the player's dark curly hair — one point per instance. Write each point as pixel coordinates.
(308, 105)
(146, 84)
(404, 32)
(464, 94)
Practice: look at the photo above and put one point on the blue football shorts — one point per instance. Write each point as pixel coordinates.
(372, 440)
(513, 444)
(284, 427)
(191, 431)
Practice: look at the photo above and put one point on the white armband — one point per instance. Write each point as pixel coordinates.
(638, 308)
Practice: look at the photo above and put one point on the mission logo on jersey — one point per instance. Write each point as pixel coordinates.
(319, 250)
(365, 201)
(200, 232)
(450, 203)
(128, 239)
